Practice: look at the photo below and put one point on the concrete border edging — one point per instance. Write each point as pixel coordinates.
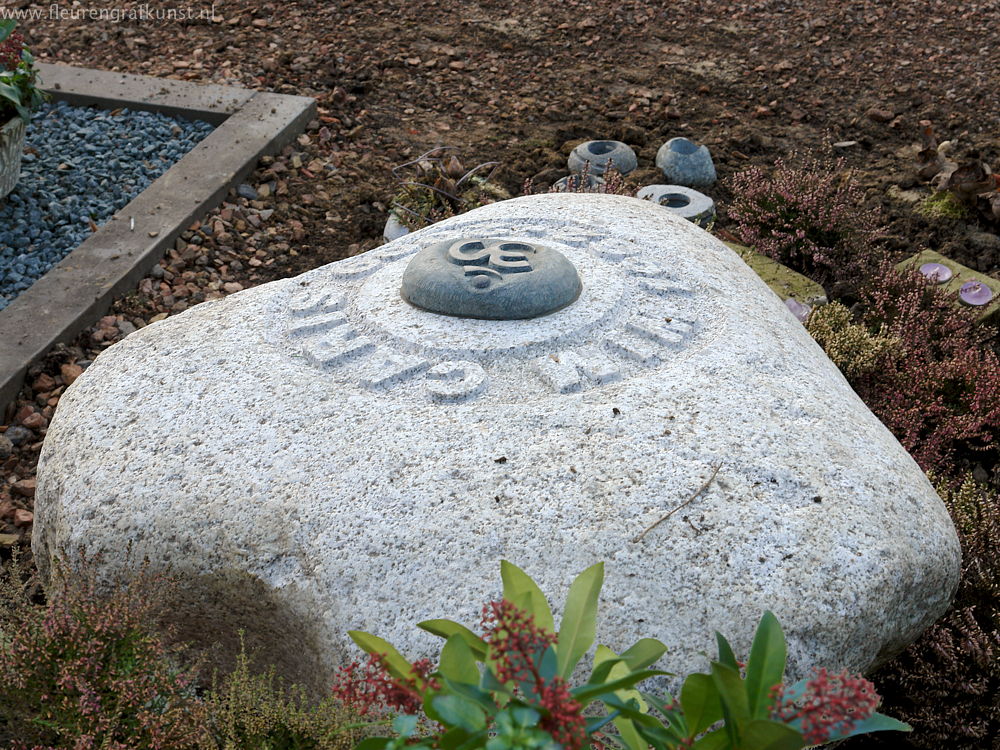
(113, 259)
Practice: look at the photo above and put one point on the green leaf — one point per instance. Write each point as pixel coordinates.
(491, 683)
(619, 668)
(594, 724)
(454, 739)
(875, 723)
(7, 27)
(766, 664)
(672, 711)
(447, 628)
(579, 620)
(10, 93)
(764, 734)
(586, 693)
(398, 666)
(457, 661)
(629, 734)
(732, 694)
(716, 740)
(519, 588)
(631, 711)
(475, 742)
(548, 664)
(480, 696)
(373, 743)
(457, 712)
(658, 737)
(700, 701)
(643, 653)
(405, 725)
(726, 655)
(603, 665)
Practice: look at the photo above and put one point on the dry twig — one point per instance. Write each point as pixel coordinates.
(686, 502)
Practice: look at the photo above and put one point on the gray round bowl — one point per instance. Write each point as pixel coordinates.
(599, 153)
(683, 201)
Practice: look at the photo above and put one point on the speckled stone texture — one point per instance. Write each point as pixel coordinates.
(686, 163)
(316, 455)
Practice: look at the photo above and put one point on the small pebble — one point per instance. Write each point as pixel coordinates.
(247, 191)
(18, 435)
(70, 373)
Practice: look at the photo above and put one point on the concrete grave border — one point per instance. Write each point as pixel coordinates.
(73, 294)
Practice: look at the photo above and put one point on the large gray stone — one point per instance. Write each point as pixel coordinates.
(316, 455)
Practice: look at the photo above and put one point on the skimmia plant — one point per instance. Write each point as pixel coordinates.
(510, 688)
(19, 92)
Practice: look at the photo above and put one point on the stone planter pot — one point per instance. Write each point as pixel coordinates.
(598, 154)
(11, 151)
(686, 163)
(683, 201)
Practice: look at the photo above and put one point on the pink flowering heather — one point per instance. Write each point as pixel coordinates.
(831, 705)
(939, 392)
(810, 219)
(89, 672)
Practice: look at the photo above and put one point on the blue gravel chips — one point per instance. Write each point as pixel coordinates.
(80, 166)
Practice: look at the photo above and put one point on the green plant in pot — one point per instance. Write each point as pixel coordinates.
(19, 96)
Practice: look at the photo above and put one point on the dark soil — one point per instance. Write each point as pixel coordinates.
(523, 82)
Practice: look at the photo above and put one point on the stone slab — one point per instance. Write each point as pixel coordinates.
(961, 274)
(316, 455)
(113, 259)
(87, 87)
(782, 280)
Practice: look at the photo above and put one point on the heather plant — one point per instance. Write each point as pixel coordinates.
(851, 346)
(255, 711)
(89, 671)
(811, 219)
(938, 390)
(946, 683)
(510, 687)
(436, 186)
(614, 183)
(17, 583)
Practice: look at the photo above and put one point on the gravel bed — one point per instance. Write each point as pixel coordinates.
(80, 166)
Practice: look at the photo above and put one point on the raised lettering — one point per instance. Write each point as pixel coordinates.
(455, 381)
(565, 371)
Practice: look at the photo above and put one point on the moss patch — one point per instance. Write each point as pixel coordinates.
(783, 280)
(942, 205)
